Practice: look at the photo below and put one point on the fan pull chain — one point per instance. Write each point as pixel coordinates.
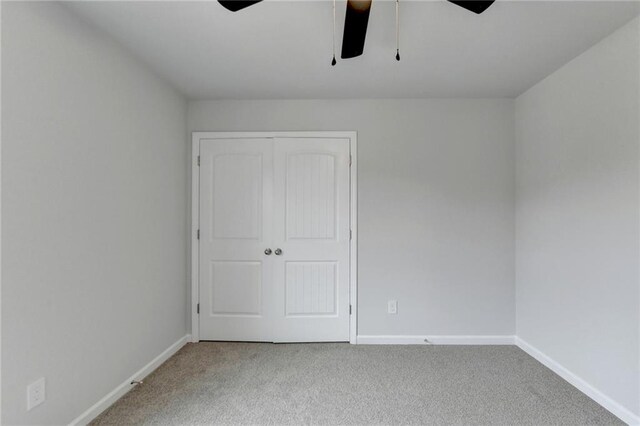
(397, 31)
(333, 61)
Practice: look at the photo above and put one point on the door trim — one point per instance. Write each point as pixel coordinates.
(353, 215)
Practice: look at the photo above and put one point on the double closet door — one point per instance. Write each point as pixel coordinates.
(274, 239)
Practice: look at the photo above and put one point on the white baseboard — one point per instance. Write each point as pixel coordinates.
(616, 409)
(436, 340)
(126, 386)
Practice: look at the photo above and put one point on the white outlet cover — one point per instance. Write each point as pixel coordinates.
(392, 307)
(35, 393)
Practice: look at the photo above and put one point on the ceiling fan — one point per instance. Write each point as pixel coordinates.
(357, 18)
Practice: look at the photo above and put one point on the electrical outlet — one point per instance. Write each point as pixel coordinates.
(35, 394)
(392, 307)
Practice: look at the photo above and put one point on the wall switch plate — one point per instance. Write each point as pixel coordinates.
(392, 307)
(35, 394)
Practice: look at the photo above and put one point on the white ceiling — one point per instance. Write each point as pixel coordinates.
(282, 49)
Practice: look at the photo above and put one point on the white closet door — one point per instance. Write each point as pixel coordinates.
(236, 276)
(311, 229)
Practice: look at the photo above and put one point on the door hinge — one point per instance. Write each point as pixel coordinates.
(350, 234)
(350, 160)
(198, 234)
(198, 308)
(349, 309)
(198, 160)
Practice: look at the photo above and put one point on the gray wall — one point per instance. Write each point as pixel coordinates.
(577, 233)
(436, 204)
(94, 169)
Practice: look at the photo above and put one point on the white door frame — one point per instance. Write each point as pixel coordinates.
(195, 217)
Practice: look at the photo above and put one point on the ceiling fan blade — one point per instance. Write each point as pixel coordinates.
(355, 28)
(236, 5)
(473, 5)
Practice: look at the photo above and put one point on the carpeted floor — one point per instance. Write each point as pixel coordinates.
(337, 383)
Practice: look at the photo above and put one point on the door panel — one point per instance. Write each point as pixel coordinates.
(286, 194)
(311, 288)
(235, 288)
(311, 211)
(235, 229)
(311, 196)
(236, 196)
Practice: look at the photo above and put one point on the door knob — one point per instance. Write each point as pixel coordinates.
(268, 251)
(278, 252)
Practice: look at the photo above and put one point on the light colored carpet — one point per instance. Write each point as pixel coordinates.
(337, 383)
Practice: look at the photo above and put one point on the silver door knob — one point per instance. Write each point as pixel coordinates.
(278, 252)
(268, 251)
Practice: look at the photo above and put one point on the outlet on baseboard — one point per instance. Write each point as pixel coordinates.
(35, 393)
(392, 307)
